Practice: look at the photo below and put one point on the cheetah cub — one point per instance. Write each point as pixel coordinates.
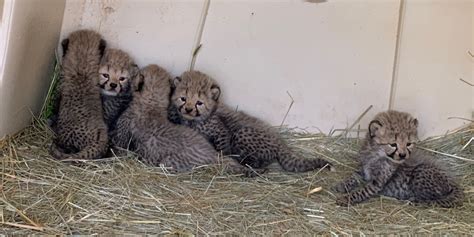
(116, 71)
(144, 128)
(80, 129)
(195, 103)
(391, 166)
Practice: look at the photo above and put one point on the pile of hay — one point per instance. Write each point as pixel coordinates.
(120, 195)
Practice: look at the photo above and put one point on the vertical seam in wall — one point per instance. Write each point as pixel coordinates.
(393, 86)
(6, 24)
(197, 44)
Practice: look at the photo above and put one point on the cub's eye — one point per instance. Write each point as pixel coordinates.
(409, 144)
(393, 145)
(182, 99)
(105, 75)
(199, 103)
(122, 79)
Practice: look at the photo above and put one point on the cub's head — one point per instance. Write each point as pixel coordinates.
(393, 134)
(85, 38)
(195, 95)
(82, 43)
(116, 72)
(152, 86)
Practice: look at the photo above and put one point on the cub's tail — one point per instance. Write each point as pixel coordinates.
(454, 199)
(93, 151)
(232, 166)
(292, 163)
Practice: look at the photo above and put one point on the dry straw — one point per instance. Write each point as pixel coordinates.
(120, 195)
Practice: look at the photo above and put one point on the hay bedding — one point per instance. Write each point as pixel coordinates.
(122, 196)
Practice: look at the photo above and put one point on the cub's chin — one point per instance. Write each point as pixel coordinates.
(396, 161)
(198, 118)
(189, 117)
(109, 93)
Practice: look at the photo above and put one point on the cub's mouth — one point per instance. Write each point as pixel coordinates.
(108, 92)
(395, 158)
(111, 89)
(189, 116)
(397, 161)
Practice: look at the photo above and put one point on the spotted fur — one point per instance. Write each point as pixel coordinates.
(195, 103)
(391, 166)
(80, 129)
(144, 127)
(116, 71)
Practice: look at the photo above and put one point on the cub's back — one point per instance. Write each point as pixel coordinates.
(80, 127)
(157, 140)
(179, 145)
(236, 120)
(80, 96)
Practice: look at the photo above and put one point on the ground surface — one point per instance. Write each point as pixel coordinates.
(120, 195)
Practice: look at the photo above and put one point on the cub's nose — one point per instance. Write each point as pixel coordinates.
(113, 85)
(188, 110)
(402, 155)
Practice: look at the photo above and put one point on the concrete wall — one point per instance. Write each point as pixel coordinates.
(29, 35)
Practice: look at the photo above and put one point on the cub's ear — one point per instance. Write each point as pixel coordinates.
(134, 70)
(65, 45)
(175, 82)
(102, 46)
(139, 82)
(137, 79)
(215, 92)
(415, 122)
(374, 126)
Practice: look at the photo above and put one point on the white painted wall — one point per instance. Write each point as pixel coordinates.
(436, 38)
(335, 57)
(472, 57)
(29, 33)
(161, 32)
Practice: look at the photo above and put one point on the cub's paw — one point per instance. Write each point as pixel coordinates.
(339, 188)
(330, 167)
(251, 173)
(343, 200)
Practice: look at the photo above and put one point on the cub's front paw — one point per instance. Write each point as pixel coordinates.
(343, 200)
(251, 173)
(339, 188)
